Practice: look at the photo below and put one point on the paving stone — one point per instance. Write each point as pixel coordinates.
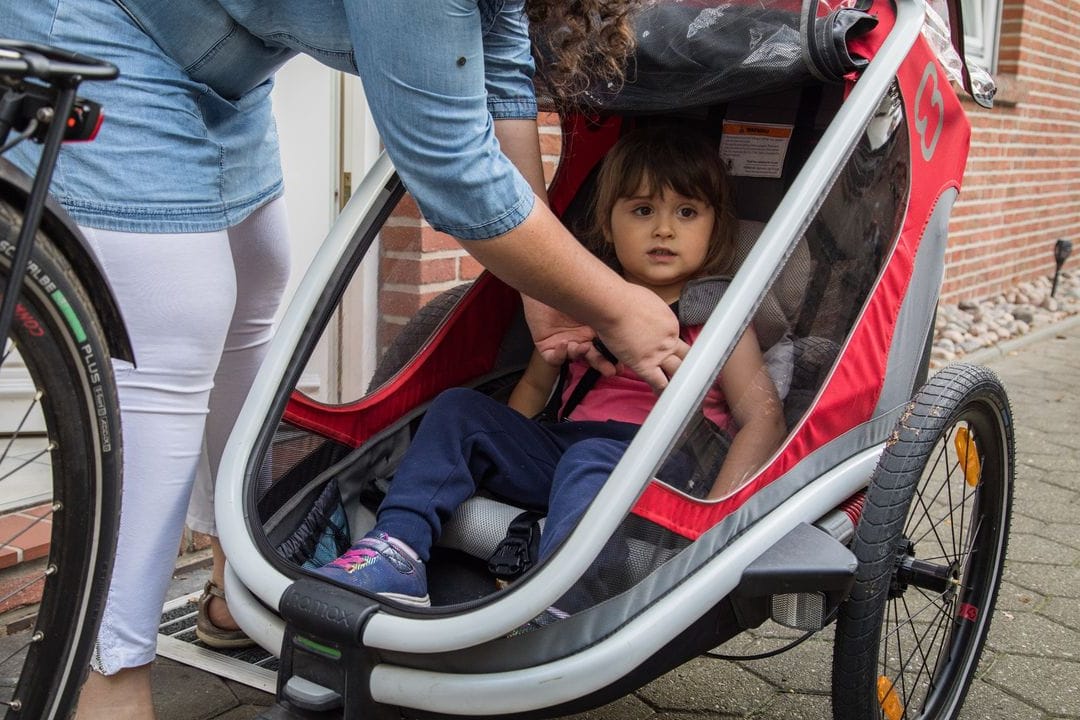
(1017, 599)
(1063, 479)
(794, 706)
(1064, 610)
(708, 685)
(805, 669)
(1049, 504)
(244, 712)
(249, 695)
(986, 702)
(1050, 685)
(1061, 582)
(1034, 549)
(1062, 533)
(184, 693)
(1031, 634)
(625, 708)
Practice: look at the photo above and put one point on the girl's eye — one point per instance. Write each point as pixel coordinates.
(687, 212)
(642, 210)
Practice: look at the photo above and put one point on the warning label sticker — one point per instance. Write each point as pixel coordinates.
(754, 149)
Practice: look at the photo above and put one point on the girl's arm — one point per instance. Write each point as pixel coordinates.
(751, 395)
(531, 393)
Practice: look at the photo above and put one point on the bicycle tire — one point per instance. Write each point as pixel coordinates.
(932, 537)
(60, 340)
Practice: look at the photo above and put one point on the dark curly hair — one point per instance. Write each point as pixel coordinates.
(580, 43)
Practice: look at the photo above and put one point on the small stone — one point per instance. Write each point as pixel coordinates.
(953, 336)
(1024, 313)
(971, 345)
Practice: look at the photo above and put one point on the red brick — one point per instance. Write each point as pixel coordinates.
(469, 268)
(550, 144)
(21, 586)
(399, 304)
(35, 541)
(418, 270)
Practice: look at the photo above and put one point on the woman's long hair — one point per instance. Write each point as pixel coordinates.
(581, 43)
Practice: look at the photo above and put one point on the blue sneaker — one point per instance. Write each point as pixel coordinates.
(375, 565)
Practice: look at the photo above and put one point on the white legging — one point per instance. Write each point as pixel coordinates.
(199, 309)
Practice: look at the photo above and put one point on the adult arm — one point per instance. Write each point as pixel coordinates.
(543, 260)
(437, 83)
(558, 335)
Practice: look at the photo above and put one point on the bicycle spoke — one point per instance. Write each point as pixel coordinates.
(17, 432)
(951, 510)
(30, 525)
(919, 498)
(32, 639)
(911, 617)
(25, 586)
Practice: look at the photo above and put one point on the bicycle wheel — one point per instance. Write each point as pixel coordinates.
(931, 546)
(66, 440)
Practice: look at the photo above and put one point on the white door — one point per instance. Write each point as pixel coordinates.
(328, 140)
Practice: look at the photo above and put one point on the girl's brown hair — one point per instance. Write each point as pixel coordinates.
(581, 42)
(664, 157)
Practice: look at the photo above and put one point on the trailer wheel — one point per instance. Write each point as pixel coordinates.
(931, 547)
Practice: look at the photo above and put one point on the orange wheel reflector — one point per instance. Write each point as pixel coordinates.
(968, 455)
(890, 703)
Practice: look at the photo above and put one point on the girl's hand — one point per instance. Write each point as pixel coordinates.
(557, 336)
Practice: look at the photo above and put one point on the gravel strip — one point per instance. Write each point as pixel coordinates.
(972, 327)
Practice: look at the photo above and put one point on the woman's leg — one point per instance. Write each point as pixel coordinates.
(260, 254)
(177, 294)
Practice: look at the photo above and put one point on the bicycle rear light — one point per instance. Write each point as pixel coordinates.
(84, 122)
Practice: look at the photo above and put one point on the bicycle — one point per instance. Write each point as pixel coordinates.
(63, 324)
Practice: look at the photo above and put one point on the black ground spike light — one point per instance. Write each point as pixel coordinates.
(1062, 250)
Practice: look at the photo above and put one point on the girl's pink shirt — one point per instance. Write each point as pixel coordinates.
(625, 397)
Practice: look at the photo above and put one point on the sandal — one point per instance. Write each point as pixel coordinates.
(210, 634)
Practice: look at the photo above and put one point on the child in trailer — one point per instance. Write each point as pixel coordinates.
(663, 217)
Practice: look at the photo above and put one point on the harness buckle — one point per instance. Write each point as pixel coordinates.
(519, 549)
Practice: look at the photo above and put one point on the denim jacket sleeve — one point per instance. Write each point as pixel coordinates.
(508, 60)
(436, 74)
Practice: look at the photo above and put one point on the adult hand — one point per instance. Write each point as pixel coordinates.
(644, 334)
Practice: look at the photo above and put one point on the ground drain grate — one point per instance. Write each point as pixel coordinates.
(253, 666)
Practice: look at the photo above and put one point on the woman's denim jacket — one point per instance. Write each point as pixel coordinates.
(436, 74)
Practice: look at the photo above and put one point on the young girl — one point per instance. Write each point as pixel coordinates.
(662, 218)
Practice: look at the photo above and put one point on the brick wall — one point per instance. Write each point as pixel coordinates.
(1020, 189)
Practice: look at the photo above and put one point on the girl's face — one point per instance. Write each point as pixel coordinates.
(661, 239)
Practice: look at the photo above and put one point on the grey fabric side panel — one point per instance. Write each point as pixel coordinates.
(916, 315)
(584, 629)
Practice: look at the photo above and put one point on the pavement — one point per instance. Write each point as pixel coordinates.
(1030, 668)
